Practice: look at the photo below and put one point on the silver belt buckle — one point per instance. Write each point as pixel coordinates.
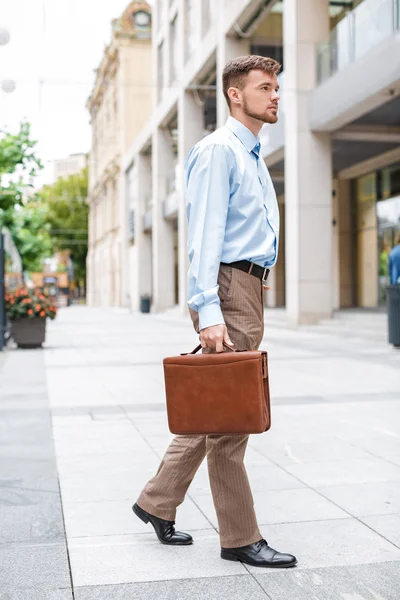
(265, 273)
(251, 268)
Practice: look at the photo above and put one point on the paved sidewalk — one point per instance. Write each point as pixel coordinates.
(326, 478)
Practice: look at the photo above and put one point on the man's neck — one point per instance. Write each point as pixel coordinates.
(253, 124)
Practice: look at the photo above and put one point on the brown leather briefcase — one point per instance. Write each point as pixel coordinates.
(221, 394)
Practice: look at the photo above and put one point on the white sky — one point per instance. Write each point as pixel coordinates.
(54, 48)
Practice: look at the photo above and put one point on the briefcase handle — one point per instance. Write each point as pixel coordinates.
(199, 348)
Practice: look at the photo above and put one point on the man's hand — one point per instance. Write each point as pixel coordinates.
(214, 337)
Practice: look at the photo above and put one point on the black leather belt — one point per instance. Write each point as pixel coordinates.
(251, 268)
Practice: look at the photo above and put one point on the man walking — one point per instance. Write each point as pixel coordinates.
(233, 228)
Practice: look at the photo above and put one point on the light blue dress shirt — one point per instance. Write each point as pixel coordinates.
(232, 212)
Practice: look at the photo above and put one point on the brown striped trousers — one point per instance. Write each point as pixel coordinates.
(241, 298)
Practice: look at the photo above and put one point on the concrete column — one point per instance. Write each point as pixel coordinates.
(275, 296)
(367, 247)
(308, 169)
(124, 238)
(141, 261)
(228, 48)
(191, 130)
(335, 246)
(163, 240)
(346, 244)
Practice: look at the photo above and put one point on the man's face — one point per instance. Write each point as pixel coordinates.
(259, 98)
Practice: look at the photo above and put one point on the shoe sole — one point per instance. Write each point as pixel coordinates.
(232, 557)
(143, 517)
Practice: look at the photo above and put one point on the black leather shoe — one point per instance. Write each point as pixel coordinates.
(165, 530)
(259, 555)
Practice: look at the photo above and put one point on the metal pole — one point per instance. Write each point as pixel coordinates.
(2, 293)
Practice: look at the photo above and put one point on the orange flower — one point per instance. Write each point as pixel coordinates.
(42, 313)
(38, 307)
(30, 312)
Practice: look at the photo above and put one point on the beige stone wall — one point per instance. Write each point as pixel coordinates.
(134, 90)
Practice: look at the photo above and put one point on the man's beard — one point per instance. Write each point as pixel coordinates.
(265, 118)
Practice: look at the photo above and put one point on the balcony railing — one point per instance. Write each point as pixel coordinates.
(362, 29)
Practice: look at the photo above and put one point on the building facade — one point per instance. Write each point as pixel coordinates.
(72, 165)
(119, 105)
(334, 155)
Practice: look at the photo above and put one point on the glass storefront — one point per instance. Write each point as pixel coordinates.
(377, 228)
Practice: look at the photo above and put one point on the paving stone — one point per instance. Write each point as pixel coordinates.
(282, 506)
(38, 594)
(363, 499)
(386, 525)
(30, 516)
(26, 566)
(90, 519)
(330, 543)
(395, 459)
(241, 587)
(99, 488)
(385, 446)
(129, 559)
(297, 452)
(261, 477)
(28, 469)
(343, 472)
(358, 582)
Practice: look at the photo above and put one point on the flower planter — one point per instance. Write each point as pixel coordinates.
(28, 333)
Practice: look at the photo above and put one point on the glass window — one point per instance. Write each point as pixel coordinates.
(192, 26)
(174, 46)
(161, 75)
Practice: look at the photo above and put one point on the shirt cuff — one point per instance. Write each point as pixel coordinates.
(210, 315)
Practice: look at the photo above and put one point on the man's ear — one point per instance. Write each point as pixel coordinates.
(234, 95)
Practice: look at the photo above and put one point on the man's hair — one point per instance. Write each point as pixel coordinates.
(236, 71)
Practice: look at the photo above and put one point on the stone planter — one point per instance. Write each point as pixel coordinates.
(28, 333)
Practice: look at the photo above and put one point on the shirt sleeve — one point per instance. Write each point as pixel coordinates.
(207, 174)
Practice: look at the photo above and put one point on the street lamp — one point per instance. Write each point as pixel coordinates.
(7, 85)
(4, 36)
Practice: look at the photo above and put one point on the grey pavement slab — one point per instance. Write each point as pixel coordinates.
(386, 525)
(365, 470)
(286, 453)
(241, 587)
(110, 429)
(262, 478)
(384, 446)
(75, 466)
(130, 558)
(34, 470)
(330, 543)
(26, 566)
(30, 516)
(90, 519)
(358, 582)
(101, 487)
(395, 459)
(33, 550)
(361, 499)
(282, 506)
(38, 593)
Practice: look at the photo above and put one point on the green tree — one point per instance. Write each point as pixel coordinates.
(67, 215)
(18, 166)
(31, 235)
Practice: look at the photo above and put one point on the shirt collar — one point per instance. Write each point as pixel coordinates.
(248, 139)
